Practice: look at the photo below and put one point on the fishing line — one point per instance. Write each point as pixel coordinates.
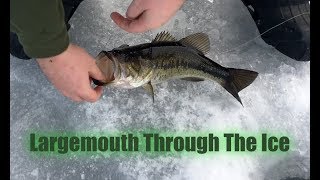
(239, 46)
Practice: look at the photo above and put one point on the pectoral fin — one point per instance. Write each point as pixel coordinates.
(149, 88)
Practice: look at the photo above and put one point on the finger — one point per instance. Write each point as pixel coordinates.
(135, 9)
(134, 26)
(74, 98)
(141, 24)
(92, 95)
(95, 73)
(121, 21)
(99, 90)
(77, 99)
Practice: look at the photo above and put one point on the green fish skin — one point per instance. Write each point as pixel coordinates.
(166, 58)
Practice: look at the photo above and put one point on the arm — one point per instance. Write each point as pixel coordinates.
(41, 29)
(143, 15)
(40, 26)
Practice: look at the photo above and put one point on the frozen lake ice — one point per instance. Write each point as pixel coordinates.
(278, 100)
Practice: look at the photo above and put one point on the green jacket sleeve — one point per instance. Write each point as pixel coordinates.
(40, 26)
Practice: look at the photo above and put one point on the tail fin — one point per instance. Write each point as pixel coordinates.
(239, 79)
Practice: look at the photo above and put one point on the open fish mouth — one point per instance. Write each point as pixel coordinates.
(115, 72)
(105, 63)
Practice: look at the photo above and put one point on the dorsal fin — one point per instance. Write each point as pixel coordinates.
(200, 41)
(164, 36)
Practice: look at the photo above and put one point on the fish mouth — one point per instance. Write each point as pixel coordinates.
(109, 55)
(116, 73)
(105, 55)
(106, 63)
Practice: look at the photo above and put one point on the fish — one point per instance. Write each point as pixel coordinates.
(166, 58)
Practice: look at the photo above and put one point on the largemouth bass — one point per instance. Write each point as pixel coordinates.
(166, 58)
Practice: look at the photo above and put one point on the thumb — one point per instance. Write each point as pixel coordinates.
(141, 24)
(135, 9)
(95, 73)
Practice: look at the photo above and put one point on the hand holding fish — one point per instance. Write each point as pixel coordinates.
(70, 73)
(143, 15)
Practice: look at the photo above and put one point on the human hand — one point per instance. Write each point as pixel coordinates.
(70, 73)
(143, 15)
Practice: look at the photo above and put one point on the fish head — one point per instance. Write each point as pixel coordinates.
(125, 69)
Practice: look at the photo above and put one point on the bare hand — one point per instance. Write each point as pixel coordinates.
(143, 15)
(70, 73)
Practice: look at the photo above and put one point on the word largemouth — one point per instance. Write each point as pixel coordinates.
(166, 58)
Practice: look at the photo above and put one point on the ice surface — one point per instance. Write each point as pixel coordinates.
(277, 101)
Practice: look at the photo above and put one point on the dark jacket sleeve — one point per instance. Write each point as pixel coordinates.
(40, 26)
